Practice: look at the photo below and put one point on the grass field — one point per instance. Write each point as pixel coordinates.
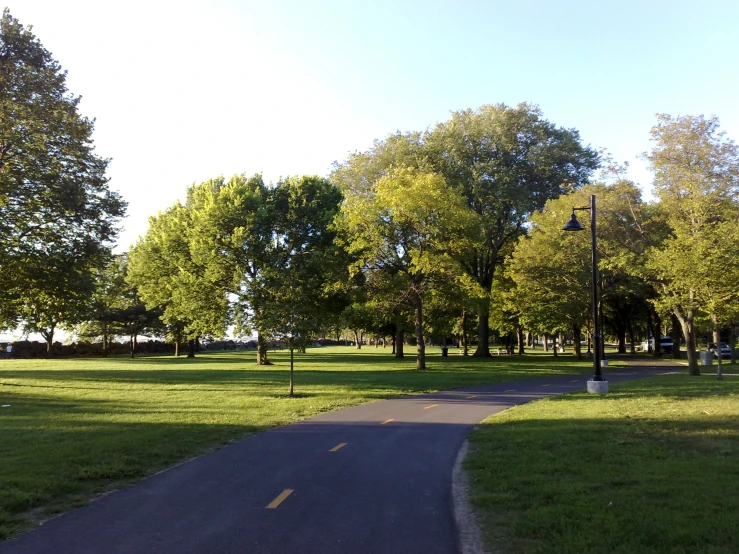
(76, 428)
(652, 467)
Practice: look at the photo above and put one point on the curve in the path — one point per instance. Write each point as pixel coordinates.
(373, 478)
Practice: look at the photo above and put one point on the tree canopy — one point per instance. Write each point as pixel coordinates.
(56, 209)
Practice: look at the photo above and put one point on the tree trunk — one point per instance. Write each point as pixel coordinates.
(262, 350)
(676, 324)
(686, 322)
(577, 350)
(292, 365)
(356, 339)
(657, 335)
(621, 334)
(630, 328)
(546, 343)
(395, 340)
(399, 337)
(420, 345)
(465, 335)
(554, 345)
(105, 339)
(483, 332)
(717, 342)
(521, 341)
(177, 348)
(133, 346)
(191, 348)
(49, 336)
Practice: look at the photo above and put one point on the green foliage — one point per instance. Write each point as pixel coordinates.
(696, 267)
(407, 233)
(57, 214)
(506, 163)
(169, 276)
(304, 260)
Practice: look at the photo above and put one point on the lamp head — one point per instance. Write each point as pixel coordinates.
(573, 224)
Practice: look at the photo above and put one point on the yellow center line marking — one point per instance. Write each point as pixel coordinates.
(510, 390)
(432, 406)
(338, 446)
(471, 396)
(386, 421)
(277, 501)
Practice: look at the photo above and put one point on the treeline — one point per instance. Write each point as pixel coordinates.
(450, 232)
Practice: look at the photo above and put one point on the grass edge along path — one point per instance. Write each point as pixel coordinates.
(77, 428)
(651, 467)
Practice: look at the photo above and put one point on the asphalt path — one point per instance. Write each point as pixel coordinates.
(373, 478)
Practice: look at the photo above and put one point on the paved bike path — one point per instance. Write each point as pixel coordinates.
(372, 478)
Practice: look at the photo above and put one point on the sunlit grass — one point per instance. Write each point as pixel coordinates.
(78, 427)
(651, 467)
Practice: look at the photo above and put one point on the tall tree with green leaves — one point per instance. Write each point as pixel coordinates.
(55, 203)
(408, 230)
(305, 262)
(234, 237)
(506, 163)
(696, 178)
(169, 276)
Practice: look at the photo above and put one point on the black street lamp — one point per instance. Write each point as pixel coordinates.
(597, 384)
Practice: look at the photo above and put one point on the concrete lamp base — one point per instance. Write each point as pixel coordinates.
(597, 387)
(604, 363)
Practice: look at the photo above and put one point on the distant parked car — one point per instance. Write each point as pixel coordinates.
(723, 348)
(665, 344)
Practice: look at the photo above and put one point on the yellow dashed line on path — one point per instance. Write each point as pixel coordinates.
(386, 421)
(432, 406)
(338, 446)
(277, 501)
(471, 396)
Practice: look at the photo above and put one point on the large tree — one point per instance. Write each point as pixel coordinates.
(408, 230)
(506, 162)
(55, 204)
(305, 262)
(170, 276)
(696, 178)
(234, 237)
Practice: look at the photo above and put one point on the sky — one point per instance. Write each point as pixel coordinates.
(186, 91)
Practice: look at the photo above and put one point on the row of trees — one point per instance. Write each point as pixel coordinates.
(453, 231)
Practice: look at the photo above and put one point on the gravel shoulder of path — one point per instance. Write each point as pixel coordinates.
(470, 539)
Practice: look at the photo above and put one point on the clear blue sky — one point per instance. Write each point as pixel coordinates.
(183, 91)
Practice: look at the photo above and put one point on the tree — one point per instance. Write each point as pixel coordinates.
(235, 226)
(696, 177)
(169, 276)
(55, 204)
(506, 163)
(109, 294)
(304, 263)
(407, 230)
(552, 269)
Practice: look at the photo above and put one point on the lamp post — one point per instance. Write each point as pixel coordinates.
(597, 384)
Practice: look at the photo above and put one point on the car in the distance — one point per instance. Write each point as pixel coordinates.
(724, 348)
(665, 345)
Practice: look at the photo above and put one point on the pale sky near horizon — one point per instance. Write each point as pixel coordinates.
(184, 91)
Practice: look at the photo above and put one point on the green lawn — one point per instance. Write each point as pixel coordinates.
(651, 467)
(78, 427)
